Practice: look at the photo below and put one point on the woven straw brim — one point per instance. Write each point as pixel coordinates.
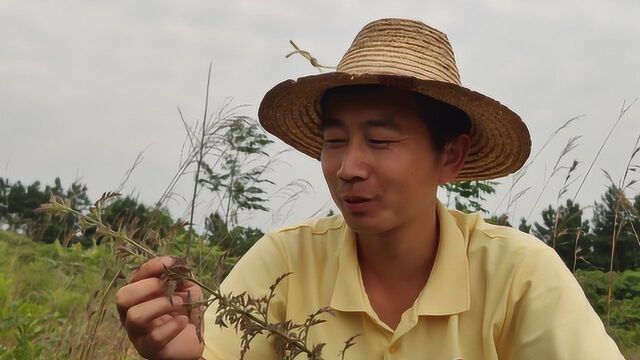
(500, 141)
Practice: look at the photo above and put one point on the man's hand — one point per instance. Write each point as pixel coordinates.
(158, 329)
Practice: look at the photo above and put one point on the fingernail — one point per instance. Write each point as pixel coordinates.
(177, 301)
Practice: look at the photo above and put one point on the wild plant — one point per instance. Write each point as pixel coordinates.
(246, 314)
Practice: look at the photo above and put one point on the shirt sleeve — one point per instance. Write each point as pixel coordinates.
(549, 317)
(254, 273)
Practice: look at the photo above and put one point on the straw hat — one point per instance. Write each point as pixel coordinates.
(410, 55)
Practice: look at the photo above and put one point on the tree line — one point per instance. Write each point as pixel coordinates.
(18, 202)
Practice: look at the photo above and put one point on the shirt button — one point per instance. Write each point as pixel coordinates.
(393, 348)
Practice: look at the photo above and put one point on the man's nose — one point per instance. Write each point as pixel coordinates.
(355, 165)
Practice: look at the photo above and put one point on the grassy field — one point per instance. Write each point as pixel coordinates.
(55, 302)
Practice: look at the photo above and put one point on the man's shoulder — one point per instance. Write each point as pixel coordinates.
(497, 239)
(311, 234)
(313, 226)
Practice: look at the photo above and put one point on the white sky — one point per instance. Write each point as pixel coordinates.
(85, 86)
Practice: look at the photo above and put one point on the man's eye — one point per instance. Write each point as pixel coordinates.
(380, 143)
(334, 141)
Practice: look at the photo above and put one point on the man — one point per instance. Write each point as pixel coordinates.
(413, 279)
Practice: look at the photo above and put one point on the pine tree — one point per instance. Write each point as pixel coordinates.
(563, 230)
(627, 253)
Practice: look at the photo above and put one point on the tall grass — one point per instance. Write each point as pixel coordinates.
(624, 210)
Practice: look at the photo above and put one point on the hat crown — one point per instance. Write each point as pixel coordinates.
(401, 47)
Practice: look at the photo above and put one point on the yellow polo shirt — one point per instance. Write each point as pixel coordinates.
(493, 293)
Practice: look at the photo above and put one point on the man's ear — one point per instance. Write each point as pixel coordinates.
(453, 157)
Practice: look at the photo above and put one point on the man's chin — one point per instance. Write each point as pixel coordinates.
(363, 222)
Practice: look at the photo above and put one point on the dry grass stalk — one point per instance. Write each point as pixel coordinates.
(199, 162)
(563, 190)
(571, 144)
(624, 211)
(576, 250)
(210, 144)
(623, 111)
(520, 174)
(88, 348)
(129, 171)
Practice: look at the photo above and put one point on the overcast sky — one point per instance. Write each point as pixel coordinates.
(87, 85)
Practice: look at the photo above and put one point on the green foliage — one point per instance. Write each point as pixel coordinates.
(563, 230)
(625, 312)
(237, 186)
(45, 293)
(236, 241)
(148, 224)
(57, 302)
(211, 262)
(469, 195)
(19, 201)
(625, 223)
(24, 324)
(524, 226)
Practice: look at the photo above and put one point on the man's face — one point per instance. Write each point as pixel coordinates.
(378, 160)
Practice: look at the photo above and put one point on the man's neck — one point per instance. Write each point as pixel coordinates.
(396, 265)
(403, 256)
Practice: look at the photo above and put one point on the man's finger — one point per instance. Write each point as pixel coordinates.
(162, 320)
(175, 349)
(140, 317)
(161, 335)
(152, 268)
(136, 293)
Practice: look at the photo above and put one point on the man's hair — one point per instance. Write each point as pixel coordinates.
(445, 122)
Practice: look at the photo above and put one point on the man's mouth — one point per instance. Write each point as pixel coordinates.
(354, 199)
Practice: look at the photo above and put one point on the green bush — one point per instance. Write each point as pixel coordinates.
(45, 291)
(56, 303)
(624, 317)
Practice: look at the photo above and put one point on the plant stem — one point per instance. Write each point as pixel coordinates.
(110, 232)
(614, 237)
(575, 250)
(260, 322)
(199, 163)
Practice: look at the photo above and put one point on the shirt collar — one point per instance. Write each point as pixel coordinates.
(348, 293)
(447, 290)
